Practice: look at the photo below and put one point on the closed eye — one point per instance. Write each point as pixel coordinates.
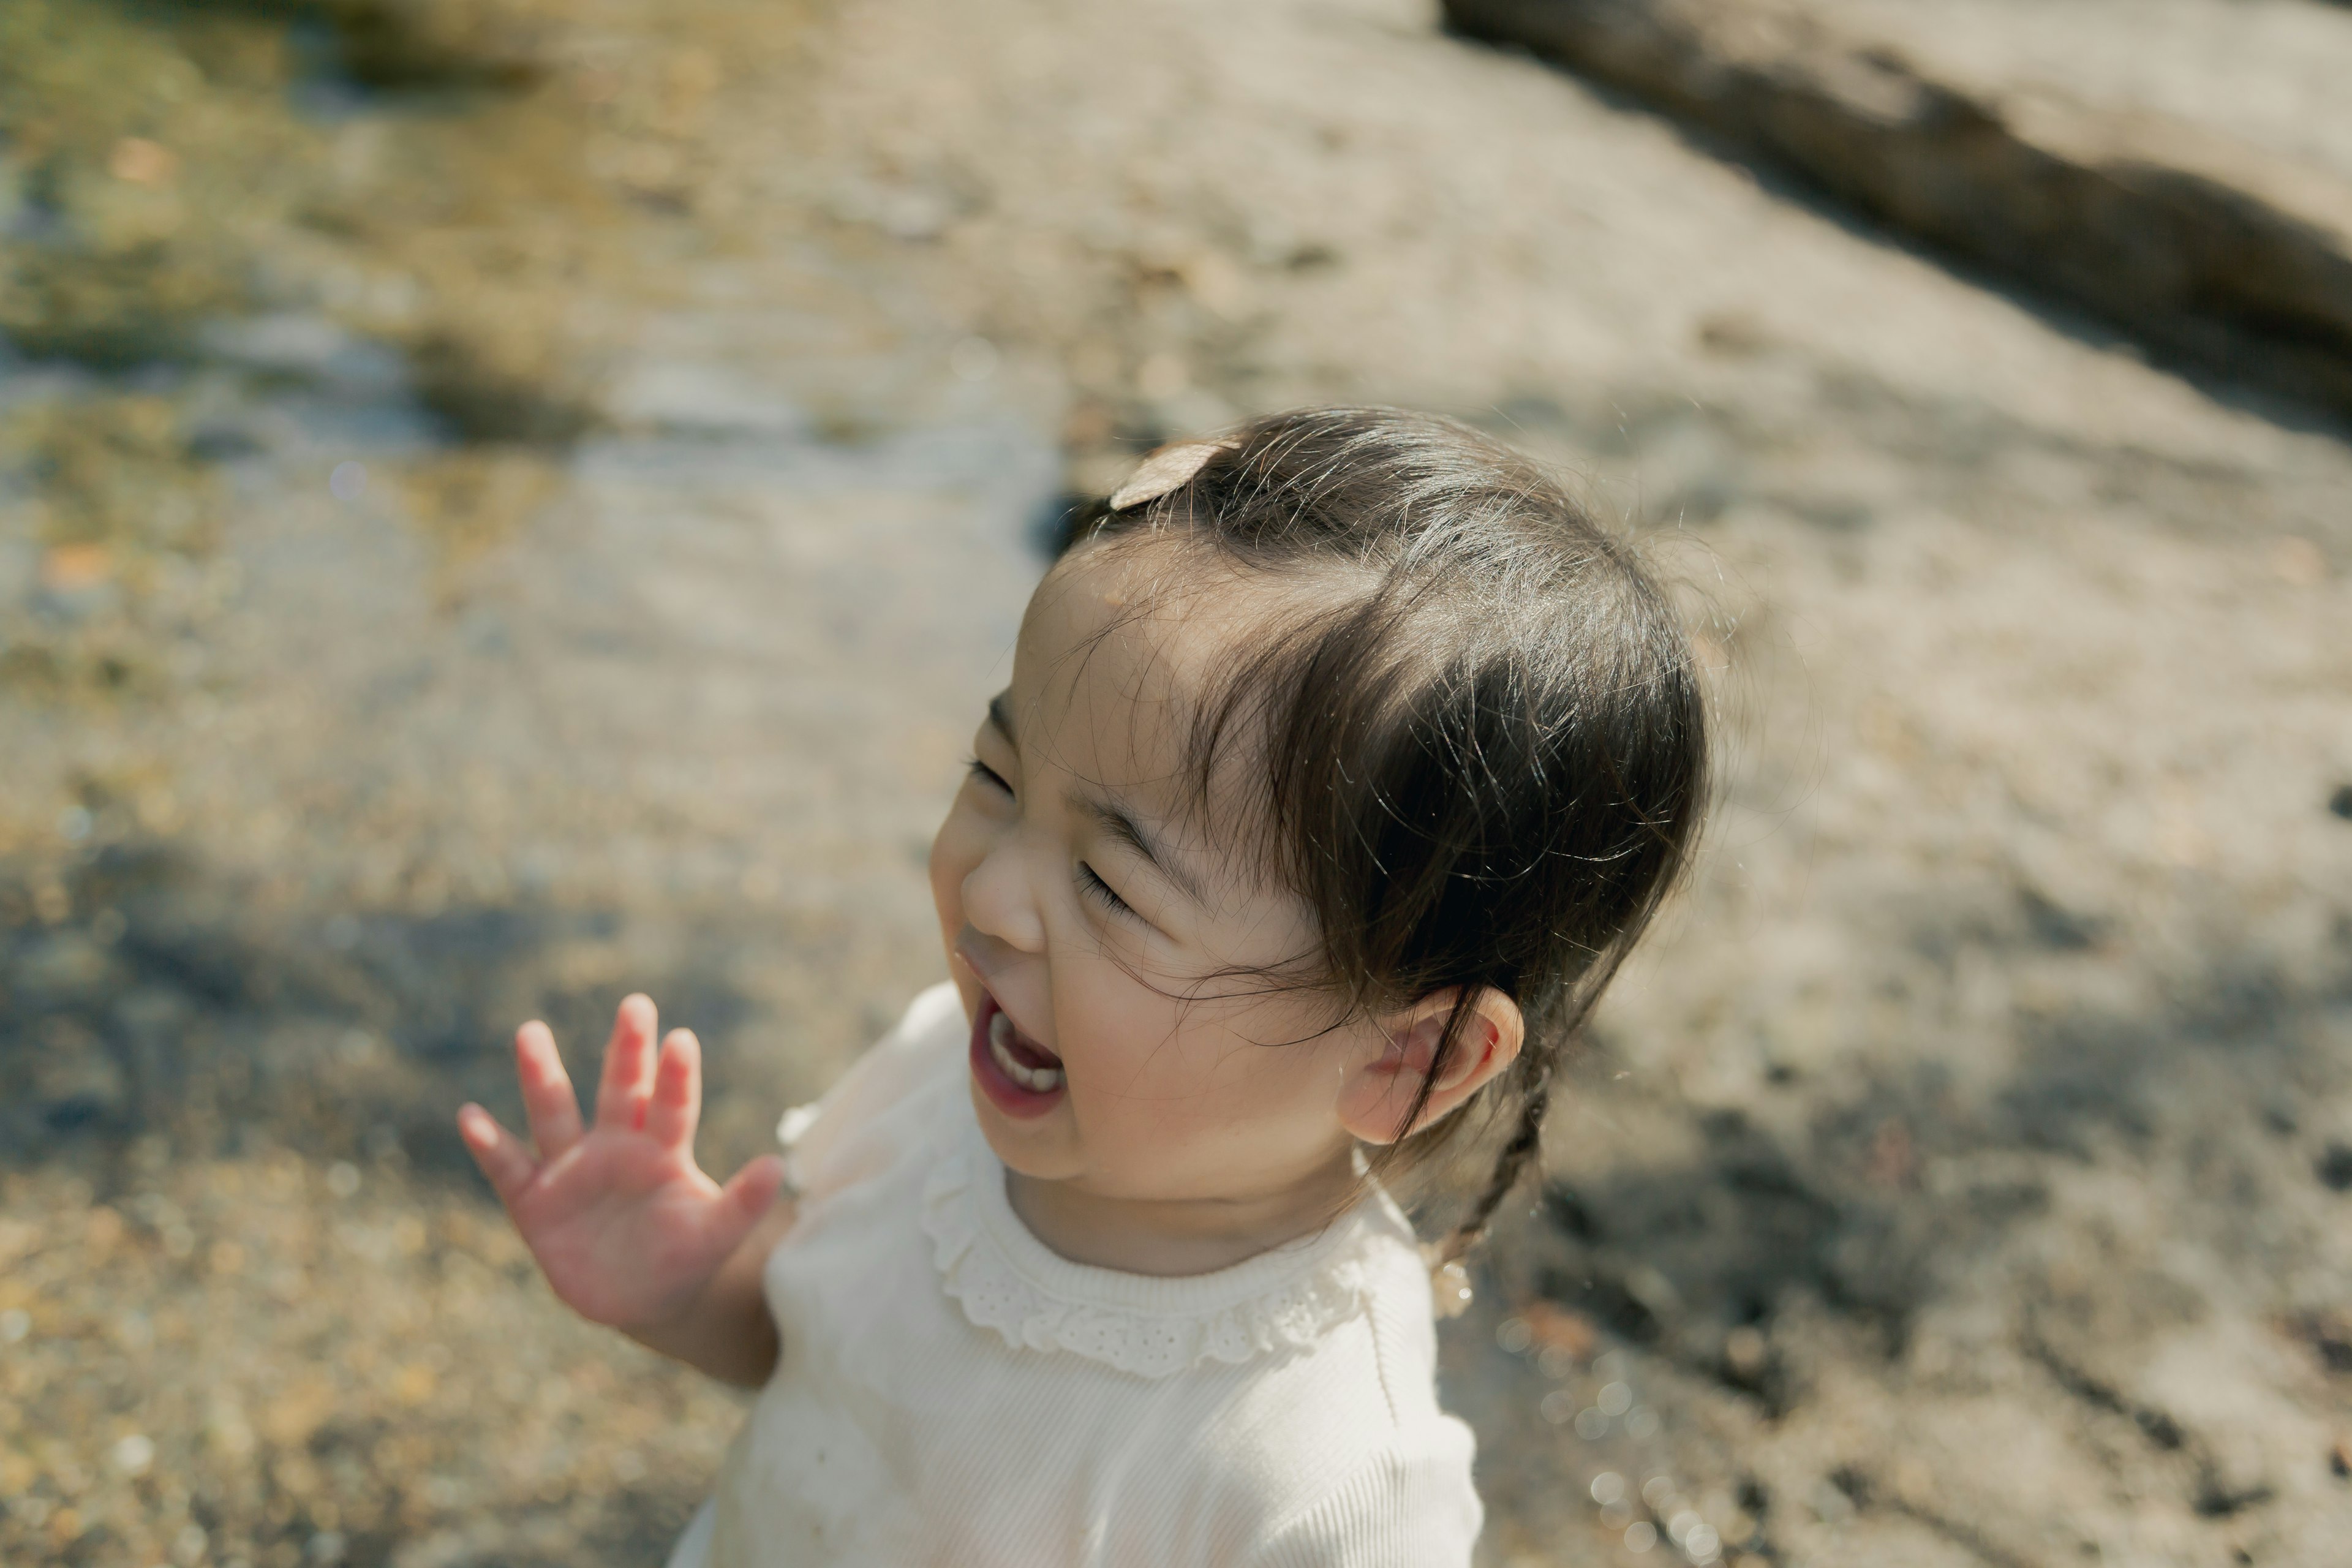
(986, 774)
(1100, 891)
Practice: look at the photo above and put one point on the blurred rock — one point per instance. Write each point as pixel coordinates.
(507, 380)
(406, 43)
(2238, 256)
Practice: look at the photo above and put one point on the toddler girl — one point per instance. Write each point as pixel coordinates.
(1342, 761)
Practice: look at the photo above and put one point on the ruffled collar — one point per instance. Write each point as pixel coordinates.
(1006, 1279)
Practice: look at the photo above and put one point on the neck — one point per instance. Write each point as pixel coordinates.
(1174, 1236)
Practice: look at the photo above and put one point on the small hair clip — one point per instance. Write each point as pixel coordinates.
(1169, 469)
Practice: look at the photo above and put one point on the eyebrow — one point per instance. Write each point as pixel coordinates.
(1123, 829)
(1115, 823)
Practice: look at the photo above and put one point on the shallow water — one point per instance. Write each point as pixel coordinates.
(537, 540)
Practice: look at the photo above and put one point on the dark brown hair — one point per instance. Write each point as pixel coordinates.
(1486, 747)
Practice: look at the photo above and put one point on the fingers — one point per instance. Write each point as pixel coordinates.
(628, 1065)
(677, 1104)
(548, 1102)
(498, 1151)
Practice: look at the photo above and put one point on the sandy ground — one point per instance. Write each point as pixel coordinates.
(1961, 1177)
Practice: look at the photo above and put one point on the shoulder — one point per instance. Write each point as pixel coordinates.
(1369, 1485)
(1405, 1502)
(830, 1144)
(1408, 1505)
(1350, 1459)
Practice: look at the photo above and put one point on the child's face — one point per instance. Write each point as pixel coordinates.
(1079, 901)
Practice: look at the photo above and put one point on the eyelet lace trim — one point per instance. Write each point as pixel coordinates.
(996, 1293)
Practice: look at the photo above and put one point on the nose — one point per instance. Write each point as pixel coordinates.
(1000, 903)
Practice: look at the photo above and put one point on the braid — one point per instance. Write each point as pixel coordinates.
(1510, 1165)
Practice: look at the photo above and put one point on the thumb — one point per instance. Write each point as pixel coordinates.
(746, 1199)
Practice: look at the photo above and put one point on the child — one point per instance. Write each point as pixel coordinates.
(1343, 759)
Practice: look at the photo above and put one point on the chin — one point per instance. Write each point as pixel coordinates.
(1026, 1147)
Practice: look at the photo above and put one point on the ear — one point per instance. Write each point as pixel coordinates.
(1380, 1089)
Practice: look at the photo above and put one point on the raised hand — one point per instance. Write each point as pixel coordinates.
(624, 1225)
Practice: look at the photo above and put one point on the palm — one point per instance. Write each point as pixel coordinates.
(624, 1223)
(623, 1227)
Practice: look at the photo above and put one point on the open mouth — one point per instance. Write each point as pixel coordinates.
(1021, 1077)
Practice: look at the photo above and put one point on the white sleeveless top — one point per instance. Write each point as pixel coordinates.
(953, 1392)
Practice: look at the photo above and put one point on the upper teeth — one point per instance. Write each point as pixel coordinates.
(1000, 1046)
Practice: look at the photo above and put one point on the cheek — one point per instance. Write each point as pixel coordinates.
(956, 851)
(1125, 1036)
(1169, 1065)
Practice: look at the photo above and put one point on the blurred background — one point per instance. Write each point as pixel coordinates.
(503, 502)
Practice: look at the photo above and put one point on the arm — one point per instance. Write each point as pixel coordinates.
(626, 1228)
